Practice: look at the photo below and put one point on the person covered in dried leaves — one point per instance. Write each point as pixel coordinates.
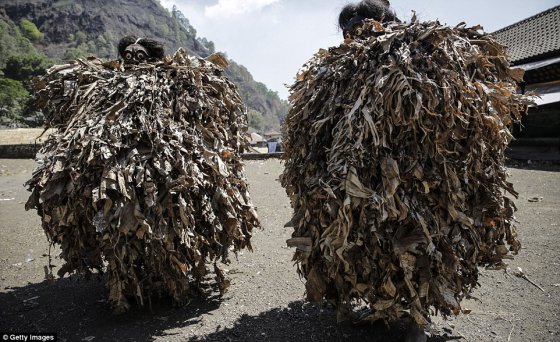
(148, 152)
(396, 170)
(350, 21)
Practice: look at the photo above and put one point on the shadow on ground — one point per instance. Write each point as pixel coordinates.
(539, 165)
(77, 310)
(306, 322)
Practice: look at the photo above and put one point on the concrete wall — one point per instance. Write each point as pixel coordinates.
(542, 122)
(535, 149)
(28, 151)
(23, 151)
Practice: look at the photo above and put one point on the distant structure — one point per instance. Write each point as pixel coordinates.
(534, 45)
(272, 135)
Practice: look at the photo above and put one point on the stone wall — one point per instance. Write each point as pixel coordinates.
(22, 151)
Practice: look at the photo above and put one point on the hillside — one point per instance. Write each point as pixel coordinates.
(43, 32)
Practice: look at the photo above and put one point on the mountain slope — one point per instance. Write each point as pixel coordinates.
(67, 29)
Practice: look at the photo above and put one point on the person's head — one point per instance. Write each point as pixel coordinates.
(353, 15)
(134, 50)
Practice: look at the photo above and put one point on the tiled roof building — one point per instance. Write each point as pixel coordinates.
(534, 38)
(534, 45)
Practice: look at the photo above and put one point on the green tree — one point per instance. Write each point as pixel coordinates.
(13, 98)
(23, 67)
(30, 31)
(103, 46)
(75, 53)
(211, 47)
(208, 44)
(91, 47)
(80, 37)
(175, 22)
(184, 23)
(12, 41)
(163, 29)
(255, 119)
(151, 21)
(101, 41)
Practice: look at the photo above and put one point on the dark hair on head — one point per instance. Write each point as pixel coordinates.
(154, 47)
(379, 10)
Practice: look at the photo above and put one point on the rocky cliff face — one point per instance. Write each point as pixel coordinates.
(76, 28)
(60, 20)
(57, 23)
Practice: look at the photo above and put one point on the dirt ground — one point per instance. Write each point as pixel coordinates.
(266, 299)
(23, 136)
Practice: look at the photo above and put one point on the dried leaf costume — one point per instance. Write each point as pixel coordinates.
(143, 179)
(395, 168)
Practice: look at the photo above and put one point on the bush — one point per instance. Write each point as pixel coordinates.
(30, 31)
(23, 67)
(80, 37)
(12, 41)
(255, 119)
(77, 52)
(13, 97)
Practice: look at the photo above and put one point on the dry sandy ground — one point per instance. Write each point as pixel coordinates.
(265, 301)
(23, 136)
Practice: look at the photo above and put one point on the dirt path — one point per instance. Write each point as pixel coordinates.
(23, 136)
(265, 301)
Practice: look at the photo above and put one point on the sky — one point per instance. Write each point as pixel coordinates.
(274, 38)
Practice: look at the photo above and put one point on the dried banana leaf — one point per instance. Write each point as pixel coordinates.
(394, 151)
(143, 177)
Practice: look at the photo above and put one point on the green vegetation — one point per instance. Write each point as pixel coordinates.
(208, 44)
(14, 99)
(12, 41)
(259, 98)
(16, 103)
(181, 23)
(19, 62)
(76, 52)
(81, 45)
(255, 119)
(80, 37)
(30, 31)
(23, 67)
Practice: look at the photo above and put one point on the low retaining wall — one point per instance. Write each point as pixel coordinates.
(261, 156)
(22, 151)
(28, 151)
(552, 143)
(535, 149)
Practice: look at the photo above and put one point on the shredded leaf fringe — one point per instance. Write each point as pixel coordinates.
(143, 179)
(395, 166)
